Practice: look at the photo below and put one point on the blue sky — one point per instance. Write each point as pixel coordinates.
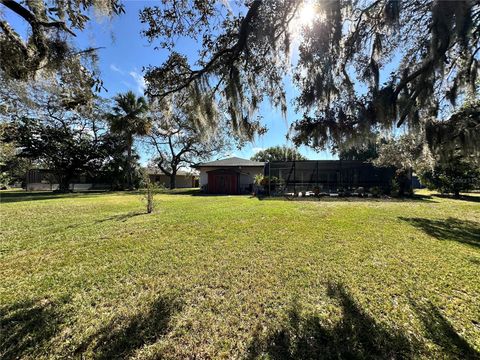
(125, 52)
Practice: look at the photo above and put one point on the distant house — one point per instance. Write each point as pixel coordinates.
(229, 176)
(45, 179)
(183, 179)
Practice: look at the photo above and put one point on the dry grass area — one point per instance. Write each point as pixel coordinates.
(90, 275)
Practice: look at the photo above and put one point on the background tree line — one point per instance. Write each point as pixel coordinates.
(98, 139)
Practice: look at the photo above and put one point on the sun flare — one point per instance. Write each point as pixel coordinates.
(307, 14)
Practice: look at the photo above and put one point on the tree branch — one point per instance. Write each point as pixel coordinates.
(30, 17)
(10, 33)
(233, 51)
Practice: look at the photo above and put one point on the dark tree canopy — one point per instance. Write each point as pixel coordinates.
(129, 115)
(12, 167)
(459, 134)
(278, 153)
(364, 65)
(114, 168)
(404, 152)
(457, 175)
(64, 150)
(430, 47)
(48, 133)
(363, 153)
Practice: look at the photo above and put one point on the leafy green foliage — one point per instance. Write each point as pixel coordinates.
(460, 134)
(363, 153)
(64, 150)
(449, 160)
(128, 116)
(408, 151)
(278, 153)
(436, 42)
(458, 175)
(238, 63)
(408, 154)
(46, 132)
(129, 119)
(114, 167)
(12, 167)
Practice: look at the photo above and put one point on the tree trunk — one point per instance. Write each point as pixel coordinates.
(173, 180)
(129, 166)
(150, 203)
(64, 183)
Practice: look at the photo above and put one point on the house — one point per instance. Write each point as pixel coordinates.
(183, 179)
(229, 176)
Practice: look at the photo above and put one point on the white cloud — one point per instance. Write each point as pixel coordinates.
(126, 84)
(139, 80)
(115, 68)
(256, 149)
(135, 75)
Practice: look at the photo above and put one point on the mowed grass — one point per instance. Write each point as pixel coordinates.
(92, 276)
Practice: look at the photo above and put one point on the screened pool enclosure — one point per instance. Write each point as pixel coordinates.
(325, 176)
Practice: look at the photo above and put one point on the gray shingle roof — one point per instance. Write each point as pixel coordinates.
(232, 161)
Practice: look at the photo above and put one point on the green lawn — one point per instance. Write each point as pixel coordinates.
(237, 277)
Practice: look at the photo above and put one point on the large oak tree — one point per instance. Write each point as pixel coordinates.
(364, 65)
(278, 153)
(57, 138)
(176, 137)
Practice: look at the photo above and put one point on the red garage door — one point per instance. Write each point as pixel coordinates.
(223, 183)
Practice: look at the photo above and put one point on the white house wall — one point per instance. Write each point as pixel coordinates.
(247, 178)
(181, 181)
(204, 176)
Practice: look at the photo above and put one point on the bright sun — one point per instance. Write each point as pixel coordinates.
(306, 14)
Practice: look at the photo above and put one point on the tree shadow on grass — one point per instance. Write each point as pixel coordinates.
(470, 198)
(122, 217)
(26, 327)
(352, 199)
(464, 231)
(475, 261)
(356, 336)
(121, 337)
(182, 191)
(20, 196)
(443, 334)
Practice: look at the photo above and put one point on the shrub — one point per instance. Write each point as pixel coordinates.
(267, 182)
(375, 191)
(452, 178)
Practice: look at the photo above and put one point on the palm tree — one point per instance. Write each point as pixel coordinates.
(128, 119)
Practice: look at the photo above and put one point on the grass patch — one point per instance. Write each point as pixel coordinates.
(91, 275)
